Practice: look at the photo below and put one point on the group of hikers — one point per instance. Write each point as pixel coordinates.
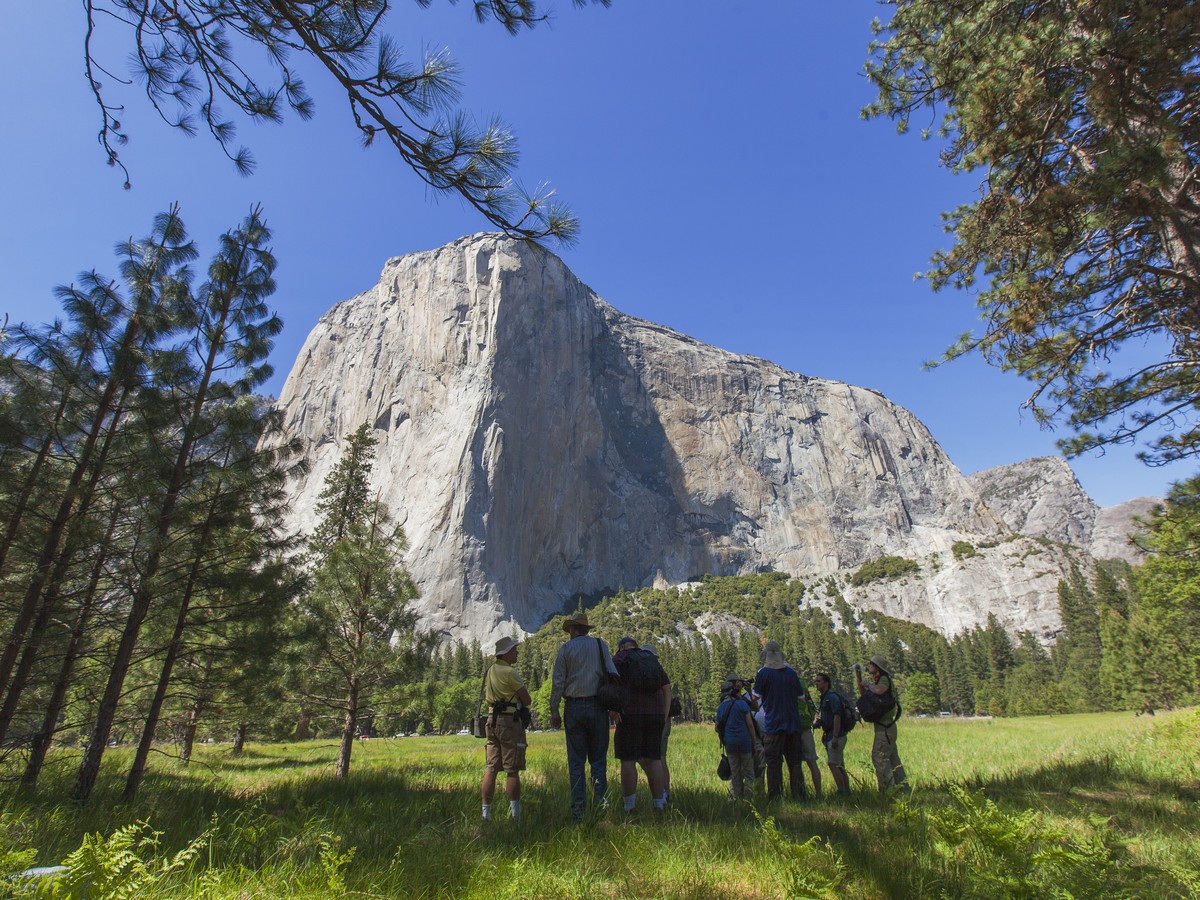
(762, 723)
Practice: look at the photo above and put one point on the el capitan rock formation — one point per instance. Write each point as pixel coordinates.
(538, 444)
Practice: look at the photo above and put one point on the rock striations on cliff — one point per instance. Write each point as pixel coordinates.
(538, 444)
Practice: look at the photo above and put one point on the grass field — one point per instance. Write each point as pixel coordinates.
(1091, 805)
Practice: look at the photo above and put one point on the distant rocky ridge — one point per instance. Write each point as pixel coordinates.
(1042, 498)
(538, 445)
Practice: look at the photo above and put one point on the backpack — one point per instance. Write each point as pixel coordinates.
(872, 706)
(641, 672)
(849, 713)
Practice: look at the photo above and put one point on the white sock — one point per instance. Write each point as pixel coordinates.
(629, 801)
(514, 807)
(661, 802)
(487, 811)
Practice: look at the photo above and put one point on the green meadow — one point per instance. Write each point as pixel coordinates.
(1063, 806)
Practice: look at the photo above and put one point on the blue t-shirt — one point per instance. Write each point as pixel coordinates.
(831, 705)
(780, 691)
(737, 738)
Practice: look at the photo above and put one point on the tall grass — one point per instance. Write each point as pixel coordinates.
(1059, 806)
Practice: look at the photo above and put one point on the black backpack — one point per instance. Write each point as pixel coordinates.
(641, 672)
(849, 713)
(872, 706)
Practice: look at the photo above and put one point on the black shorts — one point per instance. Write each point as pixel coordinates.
(639, 736)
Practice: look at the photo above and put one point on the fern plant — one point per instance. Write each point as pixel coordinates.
(123, 864)
(1017, 854)
(812, 870)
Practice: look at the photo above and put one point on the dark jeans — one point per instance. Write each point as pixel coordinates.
(784, 745)
(586, 724)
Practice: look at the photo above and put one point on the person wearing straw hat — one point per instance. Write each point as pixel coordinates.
(789, 718)
(578, 668)
(509, 701)
(889, 770)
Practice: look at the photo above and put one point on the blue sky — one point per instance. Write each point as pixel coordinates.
(726, 184)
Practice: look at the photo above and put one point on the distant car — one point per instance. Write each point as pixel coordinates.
(944, 714)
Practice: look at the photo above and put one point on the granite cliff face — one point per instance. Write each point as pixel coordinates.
(1042, 498)
(538, 444)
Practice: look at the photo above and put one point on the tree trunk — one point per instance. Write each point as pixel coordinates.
(58, 528)
(89, 767)
(41, 741)
(27, 489)
(189, 734)
(304, 725)
(134, 779)
(174, 648)
(239, 739)
(348, 722)
(50, 598)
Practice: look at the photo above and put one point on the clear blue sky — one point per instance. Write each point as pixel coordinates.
(727, 187)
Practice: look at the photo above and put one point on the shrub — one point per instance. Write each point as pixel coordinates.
(963, 550)
(885, 567)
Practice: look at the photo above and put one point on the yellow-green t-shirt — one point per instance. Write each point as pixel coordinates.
(503, 683)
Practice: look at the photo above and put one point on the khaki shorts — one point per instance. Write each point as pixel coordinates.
(834, 752)
(808, 748)
(505, 745)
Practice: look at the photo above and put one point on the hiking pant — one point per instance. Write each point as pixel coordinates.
(889, 771)
(741, 775)
(586, 724)
(784, 745)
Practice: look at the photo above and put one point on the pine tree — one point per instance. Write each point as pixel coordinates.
(157, 278)
(344, 497)
(1082, 116)
(1078, 654)
(221, 362)
(358, 632)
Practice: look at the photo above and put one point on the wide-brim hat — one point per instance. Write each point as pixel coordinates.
(579, 620)
(772, 655)
(649, 648)
(505, 644)
(881, 664)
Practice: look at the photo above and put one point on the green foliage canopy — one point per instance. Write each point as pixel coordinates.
(884, 567)
(1082, 116)
(192, 56)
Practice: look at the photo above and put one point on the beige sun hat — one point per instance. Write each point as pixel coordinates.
(881, 664)
(772, 655)
(505, 644)
(579, 620)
